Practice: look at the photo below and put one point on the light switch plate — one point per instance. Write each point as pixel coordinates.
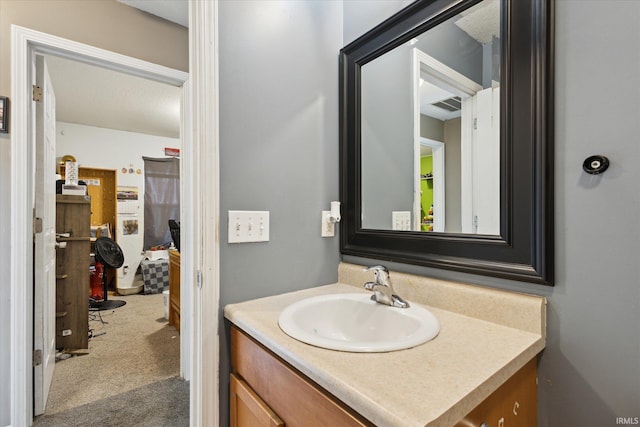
(248, 226)
(401, 220)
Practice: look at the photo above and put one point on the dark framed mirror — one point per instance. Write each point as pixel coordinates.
(453, 97)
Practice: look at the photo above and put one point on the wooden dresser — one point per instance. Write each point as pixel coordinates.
(174, 289)
(72, 271)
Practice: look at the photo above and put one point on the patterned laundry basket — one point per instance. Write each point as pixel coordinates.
(155, 275)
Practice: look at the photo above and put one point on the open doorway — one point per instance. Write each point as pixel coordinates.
(457, 114)
(35, 43)
(136, 348)
(109, 121)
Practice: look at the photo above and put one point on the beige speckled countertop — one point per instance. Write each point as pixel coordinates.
(486, 336)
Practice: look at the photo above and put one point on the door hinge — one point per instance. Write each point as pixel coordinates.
(37, 225)
(199, 279)
(37, 358)
(475, 123)
(37, 93)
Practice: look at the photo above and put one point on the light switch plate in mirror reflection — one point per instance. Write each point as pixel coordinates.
(401, 220)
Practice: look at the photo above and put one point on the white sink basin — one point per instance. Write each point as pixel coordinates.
(353, 322)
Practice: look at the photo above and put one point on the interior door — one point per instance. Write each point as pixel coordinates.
(486, 163)
(44, 322)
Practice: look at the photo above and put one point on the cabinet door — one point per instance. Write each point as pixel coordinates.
(519, 405)
(247, 409)
(514, 404)
(297, 400)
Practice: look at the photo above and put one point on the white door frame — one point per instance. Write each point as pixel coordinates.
(203, 67)
(25, 43)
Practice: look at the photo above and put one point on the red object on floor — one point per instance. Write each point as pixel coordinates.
(97, 286)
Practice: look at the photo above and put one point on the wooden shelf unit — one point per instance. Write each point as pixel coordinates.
(101, 187)
(72, 272)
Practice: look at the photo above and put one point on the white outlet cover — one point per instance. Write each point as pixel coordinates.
(328, 228)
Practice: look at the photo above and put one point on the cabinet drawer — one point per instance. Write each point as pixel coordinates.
(247, 409)
(297, 400)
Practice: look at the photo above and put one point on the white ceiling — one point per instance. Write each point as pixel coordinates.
(482, 21)
(95, 96)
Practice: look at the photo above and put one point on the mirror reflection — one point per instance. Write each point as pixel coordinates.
(430, 134)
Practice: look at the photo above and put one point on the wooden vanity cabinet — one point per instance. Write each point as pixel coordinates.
(513, 404)
(295, 399)
(266, 391)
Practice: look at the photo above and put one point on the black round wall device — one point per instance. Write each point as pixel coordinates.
(595, 165)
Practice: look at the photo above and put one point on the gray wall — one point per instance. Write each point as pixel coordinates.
(453, 47)
(452, 175)
(387, 138)
(431, 128)
(362, 15)
(591, 370)
(589, 373)
(278, 147)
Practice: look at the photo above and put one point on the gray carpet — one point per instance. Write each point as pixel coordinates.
(130, 376)
(157, 404)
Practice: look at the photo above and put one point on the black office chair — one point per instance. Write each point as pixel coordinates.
(174, 229)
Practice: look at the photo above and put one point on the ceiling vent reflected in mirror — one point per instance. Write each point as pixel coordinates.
(437, 102)
(451, 104)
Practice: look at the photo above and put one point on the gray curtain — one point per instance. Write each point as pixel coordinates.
(161, 199)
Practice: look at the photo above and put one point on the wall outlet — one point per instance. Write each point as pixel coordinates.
(328, 228)
(248, 226)
(401, 220)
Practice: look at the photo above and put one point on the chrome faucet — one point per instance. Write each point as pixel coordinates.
(382, 288)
